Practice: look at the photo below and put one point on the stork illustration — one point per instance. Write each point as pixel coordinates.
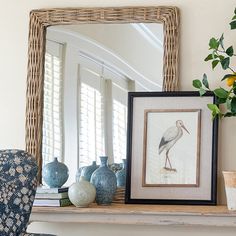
(168, 140)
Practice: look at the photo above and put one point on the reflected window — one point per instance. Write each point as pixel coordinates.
(119, 130)
(52, 112)
(103, 113)
(91, 138)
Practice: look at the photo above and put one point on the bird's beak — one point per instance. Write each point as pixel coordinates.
(185, 129)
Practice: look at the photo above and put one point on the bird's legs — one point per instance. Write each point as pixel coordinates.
(166, 162)
(167, 159)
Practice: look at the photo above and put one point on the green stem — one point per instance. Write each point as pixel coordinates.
(231, 69)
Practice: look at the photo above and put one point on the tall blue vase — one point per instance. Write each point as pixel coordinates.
(121, 175)
(87, 171)
(104, 181)
(55, 174)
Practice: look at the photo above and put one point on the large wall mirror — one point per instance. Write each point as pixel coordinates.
(82, 63)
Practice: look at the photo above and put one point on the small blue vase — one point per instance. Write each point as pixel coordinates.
(121, 175)
(78, 173)
(87, 171)
(104, 181)
(55, 174)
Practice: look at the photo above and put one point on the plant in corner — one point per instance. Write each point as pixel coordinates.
(225, 106)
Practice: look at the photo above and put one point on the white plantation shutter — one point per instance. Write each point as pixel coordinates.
(52, 145)
(119, 120)
(103, 113)
(91, 121)
(91, 137)
(119, 131)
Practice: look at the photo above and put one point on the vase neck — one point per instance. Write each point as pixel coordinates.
(94, 163)
(124, 164)
(55, 159)
(104, 160)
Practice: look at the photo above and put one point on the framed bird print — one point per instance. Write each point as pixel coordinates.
(175, 160)
(172, 149)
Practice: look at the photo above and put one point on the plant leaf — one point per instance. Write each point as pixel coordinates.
(214, 110)
(214, 63)
(221, 40)
(209, 57)
(235, 10)
(233, 24)
(197, 83)
(233, 105)
(221, 57)
(228, 104)
(221, 93)
(202, 91)
(205, 81)
(225, 63)
(228, 75)
(220, 100)
(234, 18)
(229, 114)
(213, 43)
(230, 51)
(213, 107)
(234, 86)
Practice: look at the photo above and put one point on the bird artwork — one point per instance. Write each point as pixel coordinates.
(168, 140)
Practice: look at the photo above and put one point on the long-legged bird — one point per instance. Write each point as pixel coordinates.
(168, 140)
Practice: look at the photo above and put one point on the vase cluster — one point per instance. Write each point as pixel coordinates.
(93, 183)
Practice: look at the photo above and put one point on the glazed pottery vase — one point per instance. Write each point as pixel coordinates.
(82, 193)
(88, 171)
(121, 175)
(55, 174)
(115, 167)
(230, 189)
(78, 173)
(104, 181)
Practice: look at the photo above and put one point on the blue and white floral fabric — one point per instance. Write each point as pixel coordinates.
(18, 182)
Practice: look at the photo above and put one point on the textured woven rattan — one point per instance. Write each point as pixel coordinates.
(41, 19)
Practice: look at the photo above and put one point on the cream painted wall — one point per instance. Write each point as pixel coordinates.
(200, 20)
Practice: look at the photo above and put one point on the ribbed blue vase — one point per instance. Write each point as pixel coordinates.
(104, 181)
(55, 174)
(87, 171)
(121, 175)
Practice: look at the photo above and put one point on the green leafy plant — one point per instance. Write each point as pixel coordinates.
(221, 56)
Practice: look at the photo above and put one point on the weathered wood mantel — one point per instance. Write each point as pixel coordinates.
(138, 215)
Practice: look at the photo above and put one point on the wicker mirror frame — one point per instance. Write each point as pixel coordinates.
(41, 19)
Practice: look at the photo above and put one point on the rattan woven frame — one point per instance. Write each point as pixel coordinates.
(41, 19)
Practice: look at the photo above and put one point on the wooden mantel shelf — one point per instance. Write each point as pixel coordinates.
(137, 215)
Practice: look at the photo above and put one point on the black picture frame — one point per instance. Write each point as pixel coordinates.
(129, 199)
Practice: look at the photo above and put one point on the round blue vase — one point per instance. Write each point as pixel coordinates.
(121, 175)
(55, 174)
(87, 171)
(104, 181)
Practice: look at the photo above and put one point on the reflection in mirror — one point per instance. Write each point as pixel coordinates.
(89, 68)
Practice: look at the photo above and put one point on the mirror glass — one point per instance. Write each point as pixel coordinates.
(89, 69)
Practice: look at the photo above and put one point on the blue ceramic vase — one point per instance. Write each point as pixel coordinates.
(121, 175)
(55, 174)
(87, 171)
(104, 181)
(78, 173)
